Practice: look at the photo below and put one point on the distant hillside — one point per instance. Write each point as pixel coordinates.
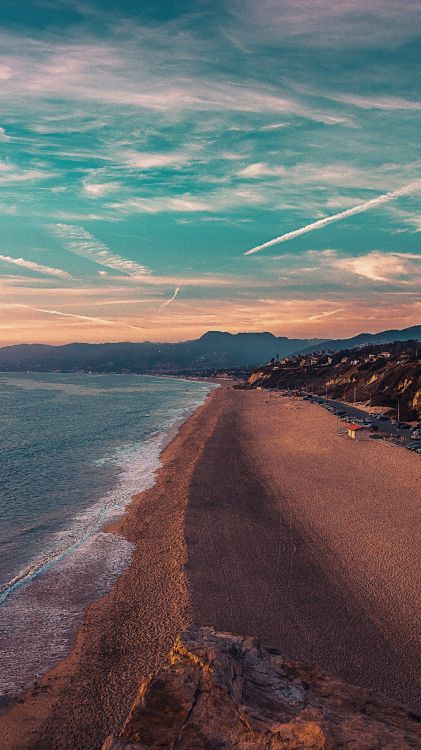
(384, 337)
(212, 351)
(379, 375)
(215, 350)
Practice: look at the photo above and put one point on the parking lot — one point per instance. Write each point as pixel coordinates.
(380, 425)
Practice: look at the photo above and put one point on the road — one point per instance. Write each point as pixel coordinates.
(386, 427)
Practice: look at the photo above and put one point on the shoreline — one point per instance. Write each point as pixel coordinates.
(262, 521)
(72, 570)
(22, 720)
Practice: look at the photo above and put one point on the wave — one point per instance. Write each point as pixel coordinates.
(43, 604)
(137, 467)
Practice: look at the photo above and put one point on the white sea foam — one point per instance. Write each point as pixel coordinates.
(43, 605)
(37, 623)
(137, 465)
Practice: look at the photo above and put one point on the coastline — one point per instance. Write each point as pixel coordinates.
(308, 541)
(127, 633)
(262, 521)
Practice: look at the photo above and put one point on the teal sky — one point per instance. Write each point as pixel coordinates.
(146, 146)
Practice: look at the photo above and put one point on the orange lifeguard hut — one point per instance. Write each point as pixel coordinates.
(358, 432)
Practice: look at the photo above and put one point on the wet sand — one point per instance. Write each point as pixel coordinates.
(262, 521)
(128, 633)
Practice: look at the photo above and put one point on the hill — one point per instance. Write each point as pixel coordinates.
(378, 375)
(215, 350)
(362, 339)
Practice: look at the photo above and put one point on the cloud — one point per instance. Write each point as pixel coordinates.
(223, 199)
(10, 174)
(180, 204)
(377, 102)
(131, 74)
(5, 73)
(171, 299)
(99, 189)
(37, 267)
(274, 126)
(146, 160)
(260, 169)
(321, 223)
(80, 242)
(3, 135)
(322, 23)
(376, 266)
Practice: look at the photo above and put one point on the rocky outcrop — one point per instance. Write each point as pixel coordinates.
(223, 691)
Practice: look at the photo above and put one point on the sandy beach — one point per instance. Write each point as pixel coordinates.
(262, 521)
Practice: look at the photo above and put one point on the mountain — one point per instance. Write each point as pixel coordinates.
(214, 350)
(384, 337)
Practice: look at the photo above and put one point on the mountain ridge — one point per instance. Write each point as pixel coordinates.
(214, 350)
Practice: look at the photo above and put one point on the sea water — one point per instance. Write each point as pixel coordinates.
(74, 448)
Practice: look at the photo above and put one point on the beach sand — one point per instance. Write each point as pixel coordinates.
(262, 521)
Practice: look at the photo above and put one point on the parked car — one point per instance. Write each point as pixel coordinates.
(416, 434)
(414, 446)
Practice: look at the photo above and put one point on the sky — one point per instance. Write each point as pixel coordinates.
(147, 147)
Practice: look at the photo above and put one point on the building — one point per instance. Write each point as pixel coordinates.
(358, 432)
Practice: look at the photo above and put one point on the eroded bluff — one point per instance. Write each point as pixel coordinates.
(224, 691)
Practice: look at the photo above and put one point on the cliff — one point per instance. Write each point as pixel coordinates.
(226, 691)
(376, 375)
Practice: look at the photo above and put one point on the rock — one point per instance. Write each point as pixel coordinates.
(223, 691)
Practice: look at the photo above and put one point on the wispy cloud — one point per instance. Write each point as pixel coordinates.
(80, 242)
(411, 187)
(260, 169)
(37, 267)
(11, 174)
(3, 135)
(130, 74)
(148, 160)
(321, 23)
(178, 204)
(99, 189)
(380, 267)
(377, 102)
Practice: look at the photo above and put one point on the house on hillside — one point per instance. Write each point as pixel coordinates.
(358, 432)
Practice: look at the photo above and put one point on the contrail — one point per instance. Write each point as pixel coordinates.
(81, 317)
(411, 187)
(325, 314)
(171, 299)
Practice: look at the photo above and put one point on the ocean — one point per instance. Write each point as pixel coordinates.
(74, 448)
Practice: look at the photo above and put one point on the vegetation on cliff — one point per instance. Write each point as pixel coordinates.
(381, 375)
